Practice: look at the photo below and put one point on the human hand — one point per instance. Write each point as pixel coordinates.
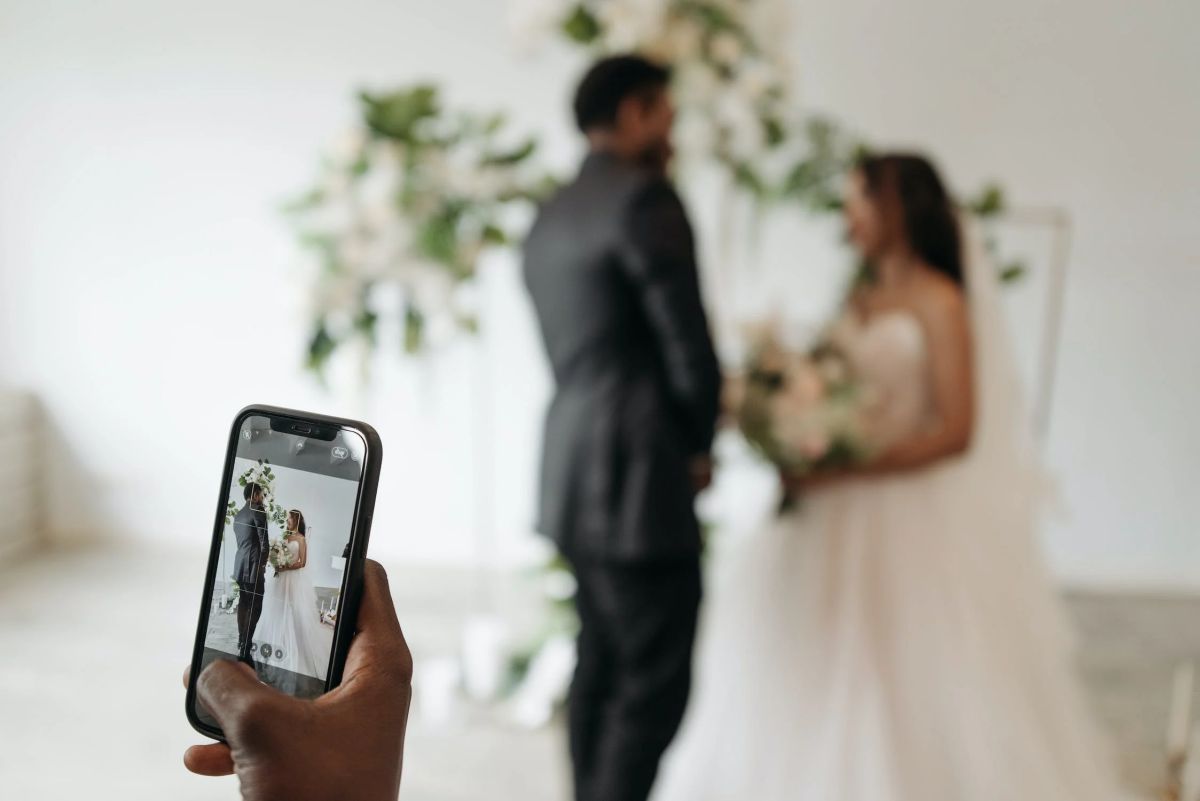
(346, 744)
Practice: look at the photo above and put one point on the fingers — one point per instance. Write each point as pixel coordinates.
(232, 692)
(377, 612)
(187, 676)
(212, 759)
(379, 642)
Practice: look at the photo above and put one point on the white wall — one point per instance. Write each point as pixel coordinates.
(144, 151)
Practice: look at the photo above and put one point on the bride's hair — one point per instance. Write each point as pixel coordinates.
(926, 208)
(295, 515)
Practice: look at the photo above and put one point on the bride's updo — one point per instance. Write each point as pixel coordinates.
(910, 184)
(295, 522)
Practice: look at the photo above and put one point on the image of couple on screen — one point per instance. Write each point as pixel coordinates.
(277, 618)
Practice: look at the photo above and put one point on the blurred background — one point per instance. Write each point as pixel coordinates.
(166, 175)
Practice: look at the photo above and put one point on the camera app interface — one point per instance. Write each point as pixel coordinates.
(283, 553)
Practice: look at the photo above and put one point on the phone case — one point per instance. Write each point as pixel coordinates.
(360, 533)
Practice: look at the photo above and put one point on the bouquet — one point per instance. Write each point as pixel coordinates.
(803, 412)
(280, 556)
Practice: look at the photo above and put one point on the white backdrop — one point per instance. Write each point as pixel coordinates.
(144, 153)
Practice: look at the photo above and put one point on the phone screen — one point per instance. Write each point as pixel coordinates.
(281, 566)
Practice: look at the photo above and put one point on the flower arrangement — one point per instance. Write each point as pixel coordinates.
(801, 411)
(262, 475)
(408, 200)
(279, 556)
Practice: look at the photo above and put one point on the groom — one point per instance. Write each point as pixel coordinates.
(250, 565)
(610, 265)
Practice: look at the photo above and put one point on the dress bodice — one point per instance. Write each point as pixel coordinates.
(889, 356)
(294, 549)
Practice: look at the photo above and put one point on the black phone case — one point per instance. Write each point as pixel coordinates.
(360, 533)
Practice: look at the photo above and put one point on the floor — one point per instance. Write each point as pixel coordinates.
(93, 643)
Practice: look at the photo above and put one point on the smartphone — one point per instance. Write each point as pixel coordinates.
(285, 567)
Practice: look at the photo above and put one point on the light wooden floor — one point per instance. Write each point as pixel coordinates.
(93, 642)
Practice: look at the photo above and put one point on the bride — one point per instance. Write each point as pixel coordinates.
(895, 637)
(290, 634)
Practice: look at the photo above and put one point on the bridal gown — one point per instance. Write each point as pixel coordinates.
(291, 625)
(892, 638)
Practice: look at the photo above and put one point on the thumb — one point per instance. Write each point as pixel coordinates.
(233, 694)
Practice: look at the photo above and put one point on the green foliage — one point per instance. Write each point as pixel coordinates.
(414, 329)
(399, 114)
(320, 347)
(581, 25)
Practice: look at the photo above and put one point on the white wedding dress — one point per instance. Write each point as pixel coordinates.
(290, 627)
(896, 638)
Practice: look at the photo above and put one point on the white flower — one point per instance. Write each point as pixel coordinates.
(694, 135)
(725, 48)
(337, 293)
(697, 85)
(755, 78)
(741, 123)
(347, 147)
(532, 22)
(629, 24)
(680, 40)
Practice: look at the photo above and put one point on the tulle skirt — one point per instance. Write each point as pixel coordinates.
(290, 627)
(891, 639)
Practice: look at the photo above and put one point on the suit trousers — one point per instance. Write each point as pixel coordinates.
(249, 610)
(633, 675)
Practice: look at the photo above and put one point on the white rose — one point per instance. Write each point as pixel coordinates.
(725, 49)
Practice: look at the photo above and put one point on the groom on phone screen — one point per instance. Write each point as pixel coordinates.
(611, 268)
(250, 565)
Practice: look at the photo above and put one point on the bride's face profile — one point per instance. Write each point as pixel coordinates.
(865, 227)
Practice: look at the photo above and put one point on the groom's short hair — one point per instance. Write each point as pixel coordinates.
(609, 81)
(250, 489)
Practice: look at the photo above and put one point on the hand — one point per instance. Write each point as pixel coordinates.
(349, 743)
(702, 472)
(799, 483)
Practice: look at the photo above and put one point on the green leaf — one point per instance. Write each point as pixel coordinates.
(1013, 272)
(745, 177)
(494, 235)
(437, 238)
(414, 329)
(801, 179)
(397, 115)
(365, 323)
(774, 131)
(510, 157)
(989, 203)
(581, 26)
(320, 347)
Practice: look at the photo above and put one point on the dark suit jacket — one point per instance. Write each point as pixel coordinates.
(250, 562)
(610, 264)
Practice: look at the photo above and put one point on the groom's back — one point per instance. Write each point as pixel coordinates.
(610, 268)
(585, 304)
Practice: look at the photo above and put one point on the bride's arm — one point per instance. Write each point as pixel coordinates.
(303, 560)
(948, 333)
